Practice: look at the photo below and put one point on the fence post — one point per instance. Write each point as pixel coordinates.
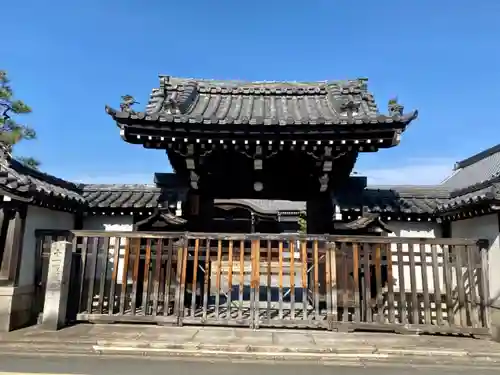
(331, 283)
(180, 278)
(483, 246)
(58, 277)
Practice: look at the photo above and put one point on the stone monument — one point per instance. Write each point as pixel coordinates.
(58, 276)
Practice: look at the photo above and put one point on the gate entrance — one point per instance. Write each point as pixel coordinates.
(254, 283)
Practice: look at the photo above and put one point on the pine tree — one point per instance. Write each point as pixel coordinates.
(11, 131)
(302, 223)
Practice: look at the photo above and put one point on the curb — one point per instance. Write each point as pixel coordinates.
(256, 351)
(245, 352)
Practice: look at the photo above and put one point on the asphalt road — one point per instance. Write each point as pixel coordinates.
(95, 365)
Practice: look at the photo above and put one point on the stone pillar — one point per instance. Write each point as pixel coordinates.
(58, 276)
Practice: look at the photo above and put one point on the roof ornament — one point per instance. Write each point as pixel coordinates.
(349, 107)
(363, 85)
(127, 102)
(395, 108)
(171, 106)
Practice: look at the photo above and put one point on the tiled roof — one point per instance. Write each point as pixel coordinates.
(264, 206)
(475, 180)
(488, 191)
(479, 168)
(121, 196)
(262, 103)
(21, 181)
(376, 199)
(400, 199)
(365, 221)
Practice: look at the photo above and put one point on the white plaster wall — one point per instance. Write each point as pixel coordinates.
(484, 227)
(418, 230)
(39, 218)
(123, 223)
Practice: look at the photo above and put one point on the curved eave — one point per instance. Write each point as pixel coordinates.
(15, 196)
(458, 204)
(247, 207)
(157, 120)
(33, 194)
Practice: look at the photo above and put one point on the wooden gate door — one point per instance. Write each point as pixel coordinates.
(254, 283)
(42, 254)
(214, 285)
(287, 275)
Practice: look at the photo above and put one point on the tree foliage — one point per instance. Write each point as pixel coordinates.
(11, 130)
(302, 223)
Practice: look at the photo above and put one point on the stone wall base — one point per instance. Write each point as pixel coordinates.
(495, 321)
(16, 307)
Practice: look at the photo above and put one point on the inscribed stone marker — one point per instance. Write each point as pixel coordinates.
(56, 294)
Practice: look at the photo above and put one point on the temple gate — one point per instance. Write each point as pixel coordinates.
(266, 141)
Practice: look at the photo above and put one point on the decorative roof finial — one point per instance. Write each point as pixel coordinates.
(127, 102)
(395, 108)
(363, 85)
(349, 107)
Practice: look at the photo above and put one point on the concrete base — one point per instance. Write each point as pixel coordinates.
(211, 342)
(495, 322)
(15, 307)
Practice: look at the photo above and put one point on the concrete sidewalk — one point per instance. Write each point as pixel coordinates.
(245, 343)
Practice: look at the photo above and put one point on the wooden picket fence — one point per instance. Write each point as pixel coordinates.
(267, 280)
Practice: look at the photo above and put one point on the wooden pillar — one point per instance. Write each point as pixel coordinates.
(10, 263)
(78, 225)
(200, 212)
(200, 216)
(320, 214)
(320, 221)
(446, 229)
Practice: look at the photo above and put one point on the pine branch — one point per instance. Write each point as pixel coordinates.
(11, 131)
(29, 162)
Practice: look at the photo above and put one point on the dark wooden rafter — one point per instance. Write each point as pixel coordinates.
(261, 161)
(481, 208)
(366, 140)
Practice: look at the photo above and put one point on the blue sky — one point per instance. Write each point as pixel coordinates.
(68, 59)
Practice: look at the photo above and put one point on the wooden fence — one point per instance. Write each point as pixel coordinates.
(263, 280)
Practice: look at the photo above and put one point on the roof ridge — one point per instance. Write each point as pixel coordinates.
(119, 187)
(416, 187)
(167, 79)
(477, 186)
(426, 191)
(477, 157)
